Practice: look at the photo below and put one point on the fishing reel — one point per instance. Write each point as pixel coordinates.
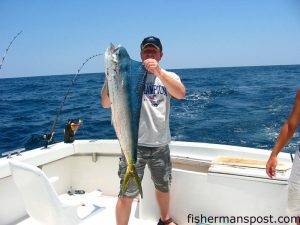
(70, 130)
(48, 138)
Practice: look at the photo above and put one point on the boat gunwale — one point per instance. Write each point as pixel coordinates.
(110, 147)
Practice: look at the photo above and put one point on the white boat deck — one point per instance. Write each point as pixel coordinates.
(105, 214)
(201, 184)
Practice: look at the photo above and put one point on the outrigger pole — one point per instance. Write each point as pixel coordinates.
(6, 51)
(49, 136)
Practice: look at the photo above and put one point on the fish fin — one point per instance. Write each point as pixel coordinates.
(131, 173)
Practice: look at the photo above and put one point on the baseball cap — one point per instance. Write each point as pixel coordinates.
(151, 40)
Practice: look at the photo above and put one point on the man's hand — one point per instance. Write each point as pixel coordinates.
(271, 166)
(152, 66)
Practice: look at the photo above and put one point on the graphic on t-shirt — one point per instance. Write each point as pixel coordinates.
(152, 92)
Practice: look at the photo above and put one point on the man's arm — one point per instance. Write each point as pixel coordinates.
(104, 96)
(286, 133)
(174, 87)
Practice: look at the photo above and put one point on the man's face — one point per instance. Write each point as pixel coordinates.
(151, 52)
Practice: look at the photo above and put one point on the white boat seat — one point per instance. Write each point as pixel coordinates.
(41, 200)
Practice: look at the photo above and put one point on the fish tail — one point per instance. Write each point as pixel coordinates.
(137, 181)
(131, 173)
(125, 181)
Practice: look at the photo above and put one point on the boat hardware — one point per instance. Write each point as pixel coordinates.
(17, 152)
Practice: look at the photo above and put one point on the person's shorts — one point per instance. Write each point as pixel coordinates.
(294, 188)
(159, 163)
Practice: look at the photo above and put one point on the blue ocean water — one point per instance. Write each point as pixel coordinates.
(243, 106)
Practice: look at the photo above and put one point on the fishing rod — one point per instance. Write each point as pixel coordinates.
(48, 137)
(6, 51)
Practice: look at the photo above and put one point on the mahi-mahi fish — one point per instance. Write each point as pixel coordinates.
(126, 82)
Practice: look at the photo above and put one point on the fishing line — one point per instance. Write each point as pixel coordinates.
(48, 137)
(6, 51)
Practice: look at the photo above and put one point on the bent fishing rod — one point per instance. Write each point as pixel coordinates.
(6, 51)
(49, 136)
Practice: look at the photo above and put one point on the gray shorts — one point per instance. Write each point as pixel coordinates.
(159, 163)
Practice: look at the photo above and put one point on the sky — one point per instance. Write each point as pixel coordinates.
(59, 35)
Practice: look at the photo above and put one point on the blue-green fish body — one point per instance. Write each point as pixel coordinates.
(126, 81)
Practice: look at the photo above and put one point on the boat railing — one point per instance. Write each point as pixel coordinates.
(16, 152)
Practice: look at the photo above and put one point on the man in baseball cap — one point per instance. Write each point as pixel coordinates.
(154, 133)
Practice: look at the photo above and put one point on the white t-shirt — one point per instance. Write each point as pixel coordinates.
(154, 129)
